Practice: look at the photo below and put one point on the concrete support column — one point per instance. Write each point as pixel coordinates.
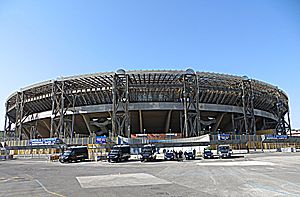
(6, 121)
(141, 121)
(219, 120)
(167, 124)
(87, 123)
(289, 122)
(47, 126)
(62, 106)
(232, 123)
(264, 124)
(181, 122)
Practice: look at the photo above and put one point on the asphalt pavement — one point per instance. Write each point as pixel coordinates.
(264, 174)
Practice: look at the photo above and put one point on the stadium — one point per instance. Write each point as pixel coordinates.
(184, 103)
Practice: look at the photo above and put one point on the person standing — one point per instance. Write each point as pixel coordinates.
(180, 156)
(176, 155)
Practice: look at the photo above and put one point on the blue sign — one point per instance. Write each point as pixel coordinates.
(101, 139)
(223, 136)
(44, 141)
(276, 137)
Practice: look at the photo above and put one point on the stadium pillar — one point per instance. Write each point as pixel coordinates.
(263, 124)
(248, 106)
(167, 123)
(192, 125)
(7, 123)
(61, 102)
(62, 106)
(181, 123)
(73, 117)
(282, 125)
(289, 122)
(141, 121)
(87, 123)
(120, 93)
(218, 122)
(233, 123)
(53, 99)
(19, 114)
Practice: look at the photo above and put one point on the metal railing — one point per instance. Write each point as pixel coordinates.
(212, 138)
(236, 138)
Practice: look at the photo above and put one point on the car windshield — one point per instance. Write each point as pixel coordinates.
(115, 151)
(223, 148)
(169, 154)
(147, 150)
(207, 151)
(68, 152)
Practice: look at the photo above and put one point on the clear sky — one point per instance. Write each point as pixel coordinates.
(41, 40)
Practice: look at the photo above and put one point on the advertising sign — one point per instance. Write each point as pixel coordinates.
(101, 139)
(276, 137)
(223, 136)
(44, 141)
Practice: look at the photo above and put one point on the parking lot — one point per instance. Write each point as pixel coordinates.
(263, 174)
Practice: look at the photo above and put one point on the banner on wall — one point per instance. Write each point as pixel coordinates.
(101, 139)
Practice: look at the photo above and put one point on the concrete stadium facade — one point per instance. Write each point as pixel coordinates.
(123, 103)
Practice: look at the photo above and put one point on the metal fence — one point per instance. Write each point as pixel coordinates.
(214, 139)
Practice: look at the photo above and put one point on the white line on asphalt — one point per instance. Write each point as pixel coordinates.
(46, 190)
(238, 163)
(212, 178)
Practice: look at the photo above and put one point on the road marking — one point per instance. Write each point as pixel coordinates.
(120, 180)
(30, 177)
(237, 163)
(46, 190)
(214, 180)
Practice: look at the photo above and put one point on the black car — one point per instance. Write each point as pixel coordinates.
(119, 153)
(148, 153)
(75, 153)
(208, 154)
(169, 156)
(189, 155)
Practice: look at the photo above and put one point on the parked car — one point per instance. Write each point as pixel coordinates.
(148, 153)
(119, 153)
(74, 153)
(189, 155)
(169, 156)
(208, 154)
(224, 151)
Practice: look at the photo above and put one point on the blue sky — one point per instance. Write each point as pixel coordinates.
(41, 40)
